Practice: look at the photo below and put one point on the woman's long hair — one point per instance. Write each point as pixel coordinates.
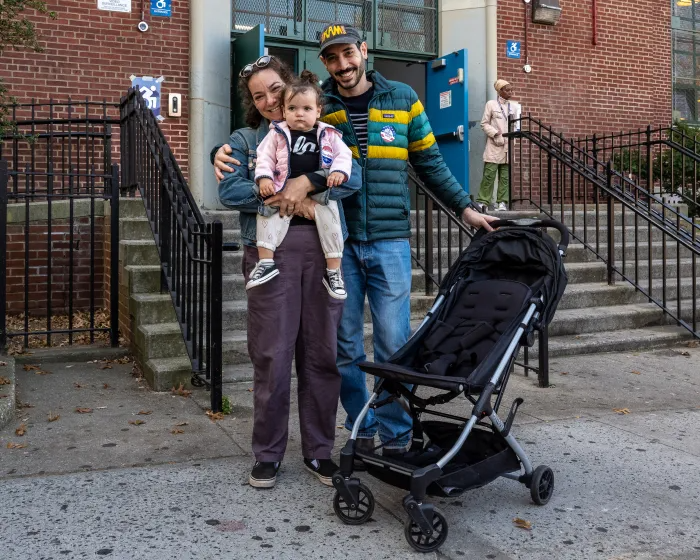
(253, 118)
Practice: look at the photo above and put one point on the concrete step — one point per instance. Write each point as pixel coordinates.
(135, 228)
(131, 208)
(622, 340)
(594, 294)
(148, 309)
(163, 374)
(142, 278)
(159, 341)
(138, 252)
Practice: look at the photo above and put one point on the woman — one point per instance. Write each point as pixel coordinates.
(293, 317)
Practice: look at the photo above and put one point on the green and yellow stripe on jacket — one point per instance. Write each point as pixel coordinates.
(398, 133)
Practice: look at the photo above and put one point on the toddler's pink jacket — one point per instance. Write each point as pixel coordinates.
(274, 151)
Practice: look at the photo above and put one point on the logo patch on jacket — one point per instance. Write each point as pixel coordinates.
(388, 116)
(326, 156)
(388, 133)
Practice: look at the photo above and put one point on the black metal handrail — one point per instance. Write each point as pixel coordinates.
(190, 249)
(553, 173)
(435, 255)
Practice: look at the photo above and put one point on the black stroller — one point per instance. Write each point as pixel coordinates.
(505, 286)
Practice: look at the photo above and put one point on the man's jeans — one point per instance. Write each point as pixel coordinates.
(382, 271)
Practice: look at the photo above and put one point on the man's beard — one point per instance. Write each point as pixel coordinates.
(358, 76)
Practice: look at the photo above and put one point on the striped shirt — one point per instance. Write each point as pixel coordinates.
(358, 107)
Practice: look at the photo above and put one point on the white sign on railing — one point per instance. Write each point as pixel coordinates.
(115, 5)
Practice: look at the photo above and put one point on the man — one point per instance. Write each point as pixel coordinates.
(386, 128)
(494, 123)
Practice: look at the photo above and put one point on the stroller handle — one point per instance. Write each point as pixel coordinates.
(529, 222)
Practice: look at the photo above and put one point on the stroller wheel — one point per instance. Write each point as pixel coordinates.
(358, 515)
(427, 543)
(542, 485)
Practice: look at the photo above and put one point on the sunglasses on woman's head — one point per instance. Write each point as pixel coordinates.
(260, 63)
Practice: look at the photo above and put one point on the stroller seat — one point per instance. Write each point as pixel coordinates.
(455, 343)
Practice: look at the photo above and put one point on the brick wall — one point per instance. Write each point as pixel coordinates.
(91, 53)
(622, 83)
(37, 243)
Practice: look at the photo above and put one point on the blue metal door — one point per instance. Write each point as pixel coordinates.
(446, 106)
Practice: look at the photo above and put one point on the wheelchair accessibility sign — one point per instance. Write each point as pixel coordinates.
(150, 90)
(513, 49)
(162, 8)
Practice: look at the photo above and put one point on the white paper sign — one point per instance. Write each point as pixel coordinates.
(115, 5)
(445, 99)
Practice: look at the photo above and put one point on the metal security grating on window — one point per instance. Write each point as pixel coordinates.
(686, 60)
(281, 18)
(319, 13)
(407, 26)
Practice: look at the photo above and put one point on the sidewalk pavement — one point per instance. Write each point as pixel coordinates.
(171, 483)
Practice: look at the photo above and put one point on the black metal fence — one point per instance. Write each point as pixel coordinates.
(59, 198)
(439, 238)
(190, 250)
(619, 218)
(663, 160)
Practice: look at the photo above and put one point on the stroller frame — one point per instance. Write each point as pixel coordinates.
(426, 528)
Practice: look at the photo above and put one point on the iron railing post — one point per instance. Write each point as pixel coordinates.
(650, 167)
(510, 162)
(4, 177)
(611, 225)
(543, 357)
(215, 315)
(550, 197)
(114, 259)
(429, 245)
(164, 212)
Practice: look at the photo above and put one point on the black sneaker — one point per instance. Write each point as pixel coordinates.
(364, 445)
(333, 281)
(263, 475)
(324, 469)
(263, 272)
(394, 453)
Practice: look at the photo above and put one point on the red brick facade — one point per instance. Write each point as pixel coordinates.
(91, 53)
(622, 83)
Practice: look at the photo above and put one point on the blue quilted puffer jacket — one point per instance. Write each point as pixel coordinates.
(399, 133)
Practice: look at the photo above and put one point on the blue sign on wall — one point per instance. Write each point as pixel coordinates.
(161, 8)
(149, 88)
(513, 49)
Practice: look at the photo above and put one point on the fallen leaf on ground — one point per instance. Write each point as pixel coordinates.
(106, 366)
(77, 385)
(250, 390)
(21, 430)
(53, 418)
(145, 412)
(43, 372)
(183, 424)
(522, 524)
(3, 363)
(24, 405)
(564, 373)
(4, 381)
(637, 372)
(691, 344)
(11, 445)
(684, 353)
(30, 367)
(181, 391)
(136, 422)
(621, 410)
(80, 410)
(215, 415)
(177, 431)
(106, 386)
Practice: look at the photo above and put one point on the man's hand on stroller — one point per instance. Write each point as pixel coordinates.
(477, 220)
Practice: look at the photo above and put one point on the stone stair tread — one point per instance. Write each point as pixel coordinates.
(142, 267)
(161, 328)
(151, 297)
(138, 241)
(170, 364)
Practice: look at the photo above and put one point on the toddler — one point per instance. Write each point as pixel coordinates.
(296, 146)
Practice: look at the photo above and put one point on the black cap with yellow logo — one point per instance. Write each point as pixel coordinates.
(338, 33)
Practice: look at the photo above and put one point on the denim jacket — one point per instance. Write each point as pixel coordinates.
(238, 189)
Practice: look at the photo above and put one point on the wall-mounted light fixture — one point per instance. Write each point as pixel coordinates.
(546, 12)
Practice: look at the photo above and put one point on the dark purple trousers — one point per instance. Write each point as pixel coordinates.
(293, 317)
